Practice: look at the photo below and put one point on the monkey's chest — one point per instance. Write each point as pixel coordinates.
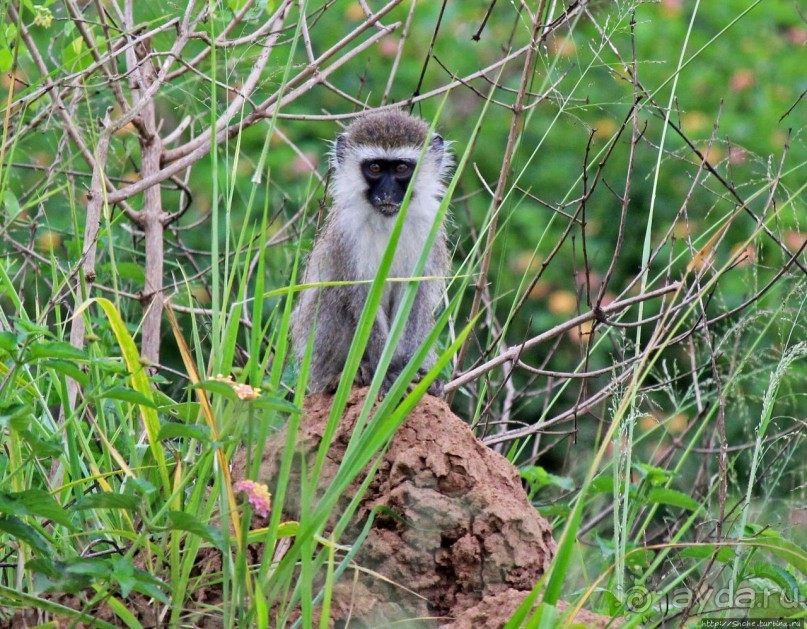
(370, 252)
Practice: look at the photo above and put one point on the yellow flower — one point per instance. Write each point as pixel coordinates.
(243, 391)
(43, 16)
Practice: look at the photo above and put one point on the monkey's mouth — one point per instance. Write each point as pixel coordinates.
(388, 209)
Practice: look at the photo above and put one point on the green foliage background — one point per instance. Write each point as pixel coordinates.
(739, 99)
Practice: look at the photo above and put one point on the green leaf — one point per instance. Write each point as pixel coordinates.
(214, 386)
(538, 478)
(24, 533)
(775, 574)
(139, 485)
(55, 349)
(782, 548)
(639, 559)
(15, 415)
(183, 521)
(284, 529)
(661, 495)
(151, 586)
(125, 394)
(34, 502)
(42, 448)
(277, 404)
(127, 271)
(654, 475)
(704, 551)
(61, 574)
(554, 510)
(602, 485)
(8, 341)
(30, 328)
(71, 370)
(174, 430)
(107, 500)
(187, 412)
(110, 366)
(76, 56)
(6, 60)
(10, 202)
(288, 529)
(123, 573)
(92, 567)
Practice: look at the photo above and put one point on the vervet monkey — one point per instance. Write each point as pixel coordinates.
(373, 163)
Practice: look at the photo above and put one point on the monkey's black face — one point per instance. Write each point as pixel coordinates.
(387, 180)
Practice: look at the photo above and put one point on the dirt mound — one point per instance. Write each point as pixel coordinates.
(463, 533)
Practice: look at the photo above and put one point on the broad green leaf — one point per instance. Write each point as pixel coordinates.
(215, 386)
(10, 203)
(183, 521)
(123, 574)
(8, 341)
(673, 498)
(110, 365)
(76, 56)
(127, 271)
(284, 529)
(68, 369)
(174, 430)
(92, 567)
(55, 349)
(150, 585)
(775, 574)
(34, 502)
(654, 475)
(107, 500)
(24, 533)
(602, 485)
(782, 548)
(28, 328)
(42, 448)
(187, 412)
(277, 404)
(15, 415)
(6, 59)
(704, 551)
(538, 477)
(125, 394)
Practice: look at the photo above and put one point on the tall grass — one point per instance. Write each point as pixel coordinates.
(672, 429)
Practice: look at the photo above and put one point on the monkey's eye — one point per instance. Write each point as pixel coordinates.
(403, 169)
(374, 168)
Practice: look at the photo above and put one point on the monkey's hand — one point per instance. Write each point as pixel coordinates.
(364, 376)
(436, 388)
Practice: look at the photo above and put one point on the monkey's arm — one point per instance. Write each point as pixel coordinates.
(421, 319)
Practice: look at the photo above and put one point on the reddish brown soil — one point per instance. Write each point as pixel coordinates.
(464, 546)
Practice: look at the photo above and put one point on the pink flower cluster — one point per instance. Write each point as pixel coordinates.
(257, 494)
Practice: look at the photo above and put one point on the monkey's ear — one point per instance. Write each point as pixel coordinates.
(439, 148)
(437, 144)
(339, 149)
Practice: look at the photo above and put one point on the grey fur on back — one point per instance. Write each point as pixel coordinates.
(352, 241)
